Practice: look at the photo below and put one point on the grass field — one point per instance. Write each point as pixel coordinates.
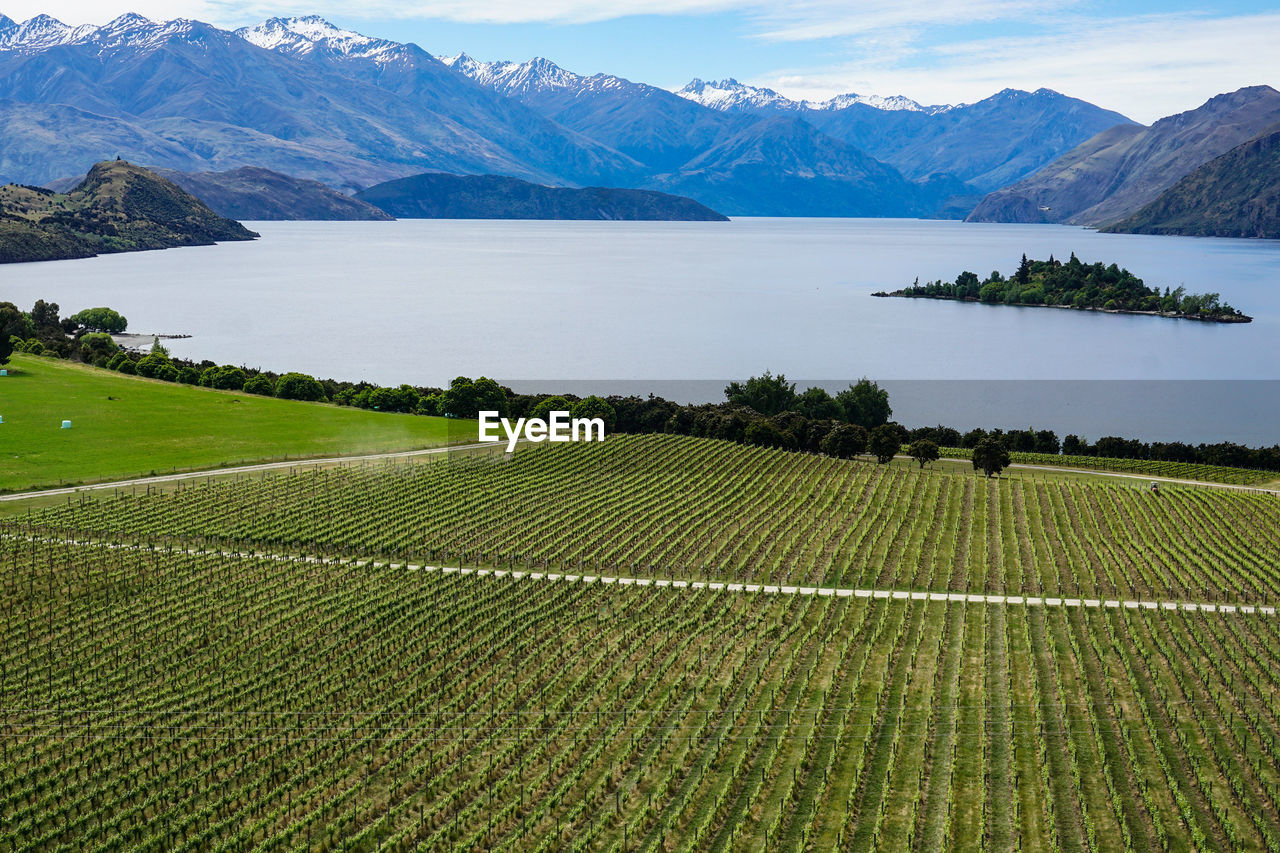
(162, 692)
(125, 426)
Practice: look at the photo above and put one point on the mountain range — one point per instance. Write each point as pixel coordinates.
(1121, 170)
(1234, 195)
(307, 99)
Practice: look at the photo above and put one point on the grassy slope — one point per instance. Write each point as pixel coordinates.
(157, 426)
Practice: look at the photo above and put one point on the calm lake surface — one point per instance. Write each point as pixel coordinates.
(422, 301)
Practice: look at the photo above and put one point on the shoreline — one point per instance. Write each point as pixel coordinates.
(1223, 318)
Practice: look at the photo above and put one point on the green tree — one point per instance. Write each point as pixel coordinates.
(762, 433)
(767, 394)
(299, 386)
(990, 457)
(44, 316)
(866, 404)
(817, 405)
(551, 404)
(923, 451)
(595, 407)
(12, 324)
(402, 399)
(844, 441)
(1023, 276)
(467, 399)
(885, 443)
(100, 320)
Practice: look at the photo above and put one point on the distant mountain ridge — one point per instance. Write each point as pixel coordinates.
(193, 97)
(1234, 195)
(437, 195)
(261, 194)
(729, 94)
(1114, 174)
(302, 97)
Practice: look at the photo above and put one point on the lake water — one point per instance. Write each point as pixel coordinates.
(547, 302)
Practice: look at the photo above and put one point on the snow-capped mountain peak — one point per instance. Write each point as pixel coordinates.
(536, 75)
(38, 33)
(130, 29)
(729, 94)
(305, 34)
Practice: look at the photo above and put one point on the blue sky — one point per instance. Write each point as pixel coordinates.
(1146, 59)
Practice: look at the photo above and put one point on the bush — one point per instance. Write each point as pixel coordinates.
(96, 345)
(157, 367)
(189, 376)
(260, 384)
(33, 347)
(224, 378)
(299, 386)
(127, 366)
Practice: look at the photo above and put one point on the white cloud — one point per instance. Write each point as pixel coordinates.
(823, 19)
(1144, 67)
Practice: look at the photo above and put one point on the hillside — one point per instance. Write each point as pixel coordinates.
(1124, 168)
(118, 207)
(1235, 195)
(441, 196)
(261, 194)
(254, 193)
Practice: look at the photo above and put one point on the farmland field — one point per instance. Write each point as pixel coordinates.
(252, 665)
(1146, 467)
(127, 426)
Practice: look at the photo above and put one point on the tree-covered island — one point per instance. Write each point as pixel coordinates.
(1074, 284)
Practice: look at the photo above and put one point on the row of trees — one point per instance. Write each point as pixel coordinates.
(863, 403)
(21, 331)
(764, 410)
